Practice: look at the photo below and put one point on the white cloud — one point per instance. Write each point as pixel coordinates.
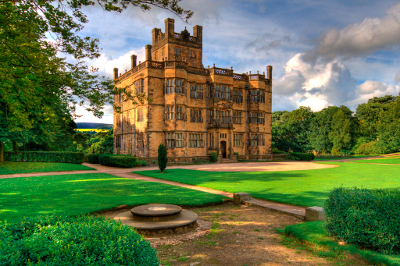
(317, 86)
(370, 89)
(360, 38)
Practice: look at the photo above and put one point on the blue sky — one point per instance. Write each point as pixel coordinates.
(323, 52)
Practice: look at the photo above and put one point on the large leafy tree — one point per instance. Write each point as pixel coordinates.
(40, 89)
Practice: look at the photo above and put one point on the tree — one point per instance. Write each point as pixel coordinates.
(38, 86)
(162, 157)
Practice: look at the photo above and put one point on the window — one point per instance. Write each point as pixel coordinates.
(140, 115)
(140, 140)
(139, 86)
(196, 92)
(178, 86)
(222, 92)
(257, 96)
(237, 117)
(170, 112)
(237, 139)
(170, 86)
(261, 119)
(118, 141)
(195, 140)
(179, 113)
(170, 140)
(222, 135)
(192, 54)
(211, 143)
(179, 140)
(195, 116)
(174, 86)
(177, 51)
(256, 140)
(223, 117)
(237, 96)
(253, 117)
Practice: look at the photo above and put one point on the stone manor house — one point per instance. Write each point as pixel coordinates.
(193, 110)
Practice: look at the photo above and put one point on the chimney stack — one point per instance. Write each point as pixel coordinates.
(133, 60)
(148, 52)
(115, 73)
(269, 72)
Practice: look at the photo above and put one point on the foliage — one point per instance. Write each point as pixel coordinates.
(101, 142)
(8, 168)
(314, 235)
(300, 156)
(299, 187)
(118, 160)
(40, 87)
(162, 157)
(83, 240)
(93, 158)
(142, 163)
(76, 194)
(45, 156)
(214, 156)
(364, 217)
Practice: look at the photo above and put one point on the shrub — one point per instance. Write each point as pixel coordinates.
(162, 157)
(364, 217)
(214, 156)
(142, 162)
(298, 156)
(45, 156)
(118, 160)
(84, 240)
(93, 158)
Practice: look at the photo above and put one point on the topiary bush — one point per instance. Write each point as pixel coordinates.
(298, 156)
(162, 157)
(93, 158)
(368, 218)
(214, 156)
(45, 156)
(142, 163)
(84, 240)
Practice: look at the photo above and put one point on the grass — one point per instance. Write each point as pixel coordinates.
(8, 168)
(395, 160)
(303, 187)
(85, 193)
(314, 235)
(332, 157)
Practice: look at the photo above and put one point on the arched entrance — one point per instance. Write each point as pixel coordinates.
(223, 149)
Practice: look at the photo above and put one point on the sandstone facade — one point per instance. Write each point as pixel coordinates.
(193, 110)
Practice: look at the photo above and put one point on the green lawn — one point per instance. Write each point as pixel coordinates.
(327, 158)
(8, 168)
(395, 160)
(85, 193)
(315, 235)
(303, 188)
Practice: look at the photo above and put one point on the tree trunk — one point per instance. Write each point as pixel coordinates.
(14, 145)
(1, 152)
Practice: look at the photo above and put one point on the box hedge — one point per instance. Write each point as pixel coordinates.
(118, 160)
(93, 158)
(45, 156)
(364, 217)
(84, 240)
(298, 156)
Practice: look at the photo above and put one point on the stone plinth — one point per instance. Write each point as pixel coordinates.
(239, 198)
(315, 214)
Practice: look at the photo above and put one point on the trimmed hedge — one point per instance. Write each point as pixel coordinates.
(84, 240)
(214, 156)
(298, 156)
(366, 218)
(118, 160)
(45, 156)
(93, 158)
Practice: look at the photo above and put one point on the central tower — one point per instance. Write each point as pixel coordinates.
(172, 46)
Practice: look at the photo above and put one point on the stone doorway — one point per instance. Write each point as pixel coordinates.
(223, 149)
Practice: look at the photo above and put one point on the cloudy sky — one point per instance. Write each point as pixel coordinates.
(323, 52)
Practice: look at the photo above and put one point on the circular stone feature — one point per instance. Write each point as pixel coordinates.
(152, 210)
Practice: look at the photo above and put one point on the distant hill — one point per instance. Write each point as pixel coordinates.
(94, 126)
